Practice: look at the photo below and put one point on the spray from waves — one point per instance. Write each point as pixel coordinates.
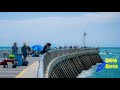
(88, 73)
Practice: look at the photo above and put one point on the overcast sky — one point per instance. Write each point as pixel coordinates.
(60, 28)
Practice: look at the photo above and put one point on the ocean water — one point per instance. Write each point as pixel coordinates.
(104, 73)
(5, 48)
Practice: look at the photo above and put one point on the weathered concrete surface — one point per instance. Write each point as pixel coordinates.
(13, 72)
(70, 66)
(30, 72)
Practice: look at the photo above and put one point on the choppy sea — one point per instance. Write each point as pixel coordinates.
(113, 52)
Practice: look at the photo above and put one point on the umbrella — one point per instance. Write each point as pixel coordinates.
(37, 48)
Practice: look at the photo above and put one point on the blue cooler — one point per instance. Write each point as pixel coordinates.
(19, 59)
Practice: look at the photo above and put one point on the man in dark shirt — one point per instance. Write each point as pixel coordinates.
(24, 51)
(15, 49)
(29, 50)
(46, 48)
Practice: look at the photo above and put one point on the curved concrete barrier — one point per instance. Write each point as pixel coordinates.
(70, 66)
(67, 63)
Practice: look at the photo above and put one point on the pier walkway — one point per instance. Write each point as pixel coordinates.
(15, 72)
(64, 63)
(30, 72)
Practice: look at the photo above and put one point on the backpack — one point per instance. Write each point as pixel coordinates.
(25, 63)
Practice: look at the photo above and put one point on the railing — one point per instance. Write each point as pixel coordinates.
(8, 51)
(48, 57)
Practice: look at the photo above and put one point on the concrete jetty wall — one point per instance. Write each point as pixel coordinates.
(70, 65)
(48, 57)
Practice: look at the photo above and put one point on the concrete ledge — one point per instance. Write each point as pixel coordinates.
(48, 57)
(41, 67)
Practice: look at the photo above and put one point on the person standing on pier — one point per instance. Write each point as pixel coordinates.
(28, 50)
(24, 50)
(15, 49)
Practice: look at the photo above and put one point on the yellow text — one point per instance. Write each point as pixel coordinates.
(111, 60)
(111, 66)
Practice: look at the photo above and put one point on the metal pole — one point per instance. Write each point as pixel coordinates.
(84, 39)
(84, 34)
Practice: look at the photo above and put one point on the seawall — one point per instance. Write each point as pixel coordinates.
(72, 64)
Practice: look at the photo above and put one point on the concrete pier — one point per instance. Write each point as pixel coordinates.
(70, 66)
(64, 63)
(13, 72)
(30, 71)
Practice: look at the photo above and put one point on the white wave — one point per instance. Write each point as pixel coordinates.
(88, 73)
(85, 74)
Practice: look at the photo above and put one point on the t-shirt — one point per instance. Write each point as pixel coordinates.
(24, 49)
(14, 50)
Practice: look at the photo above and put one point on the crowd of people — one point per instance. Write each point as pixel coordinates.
(26, 50)
(66, 47)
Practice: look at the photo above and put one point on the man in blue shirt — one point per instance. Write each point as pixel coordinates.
(15, 49)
